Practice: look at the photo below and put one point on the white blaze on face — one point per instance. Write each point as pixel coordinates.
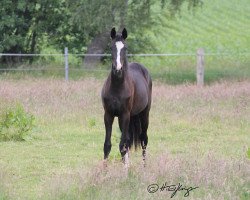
(119, 45)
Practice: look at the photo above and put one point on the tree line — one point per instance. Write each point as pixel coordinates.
(26, 26)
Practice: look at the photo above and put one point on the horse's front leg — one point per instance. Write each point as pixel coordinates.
(125, 140)
(108, 121)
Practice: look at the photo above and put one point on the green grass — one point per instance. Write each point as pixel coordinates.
(248, 153)
(198, 137)
(219, 26)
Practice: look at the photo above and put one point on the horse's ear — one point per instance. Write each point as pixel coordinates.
(124, 33)
(113, 33)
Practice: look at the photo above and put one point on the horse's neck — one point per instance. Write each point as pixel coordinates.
(119, 81)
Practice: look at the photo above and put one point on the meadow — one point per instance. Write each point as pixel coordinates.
(198, 137)
(220, 27)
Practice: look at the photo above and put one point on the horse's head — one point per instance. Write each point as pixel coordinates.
(118, 48)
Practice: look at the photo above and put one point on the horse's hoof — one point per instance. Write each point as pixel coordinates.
(125, 160)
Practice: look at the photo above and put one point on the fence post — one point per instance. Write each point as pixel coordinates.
(200, 67)
(66, 58)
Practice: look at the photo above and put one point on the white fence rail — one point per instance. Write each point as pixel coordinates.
(200, 58)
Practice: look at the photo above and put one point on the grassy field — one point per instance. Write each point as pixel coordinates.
(219, 26)
(198, 137)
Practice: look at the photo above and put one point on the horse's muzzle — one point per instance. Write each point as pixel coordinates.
(117, 72)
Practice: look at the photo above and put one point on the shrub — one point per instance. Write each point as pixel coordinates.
(15, 124)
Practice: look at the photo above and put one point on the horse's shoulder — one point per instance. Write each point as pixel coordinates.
(136, 68)
(134, 65)
(106, 86)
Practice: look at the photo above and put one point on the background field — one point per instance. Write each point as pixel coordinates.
(220, 27)
(198, 137)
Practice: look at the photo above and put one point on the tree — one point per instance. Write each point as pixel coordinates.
(95, 19)
(24, 23)
(15, 20)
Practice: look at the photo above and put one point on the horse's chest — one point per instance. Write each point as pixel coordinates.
(115, 104)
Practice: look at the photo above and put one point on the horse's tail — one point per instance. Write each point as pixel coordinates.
(134, 131)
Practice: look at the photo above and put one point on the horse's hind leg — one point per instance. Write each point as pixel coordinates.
(144, 119)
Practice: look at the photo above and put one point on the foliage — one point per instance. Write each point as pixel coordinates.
(26, 25)
(15, 124)
(95, 17)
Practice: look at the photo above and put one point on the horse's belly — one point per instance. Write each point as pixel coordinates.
(140, 100)
(137, 110)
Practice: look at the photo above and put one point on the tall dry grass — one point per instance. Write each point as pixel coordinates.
(55, 97)
(43, 95)
(210, 116)
(216, 178)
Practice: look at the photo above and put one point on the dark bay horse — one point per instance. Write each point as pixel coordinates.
(126, 94)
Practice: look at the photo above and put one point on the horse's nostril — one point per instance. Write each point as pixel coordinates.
(118, 70)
